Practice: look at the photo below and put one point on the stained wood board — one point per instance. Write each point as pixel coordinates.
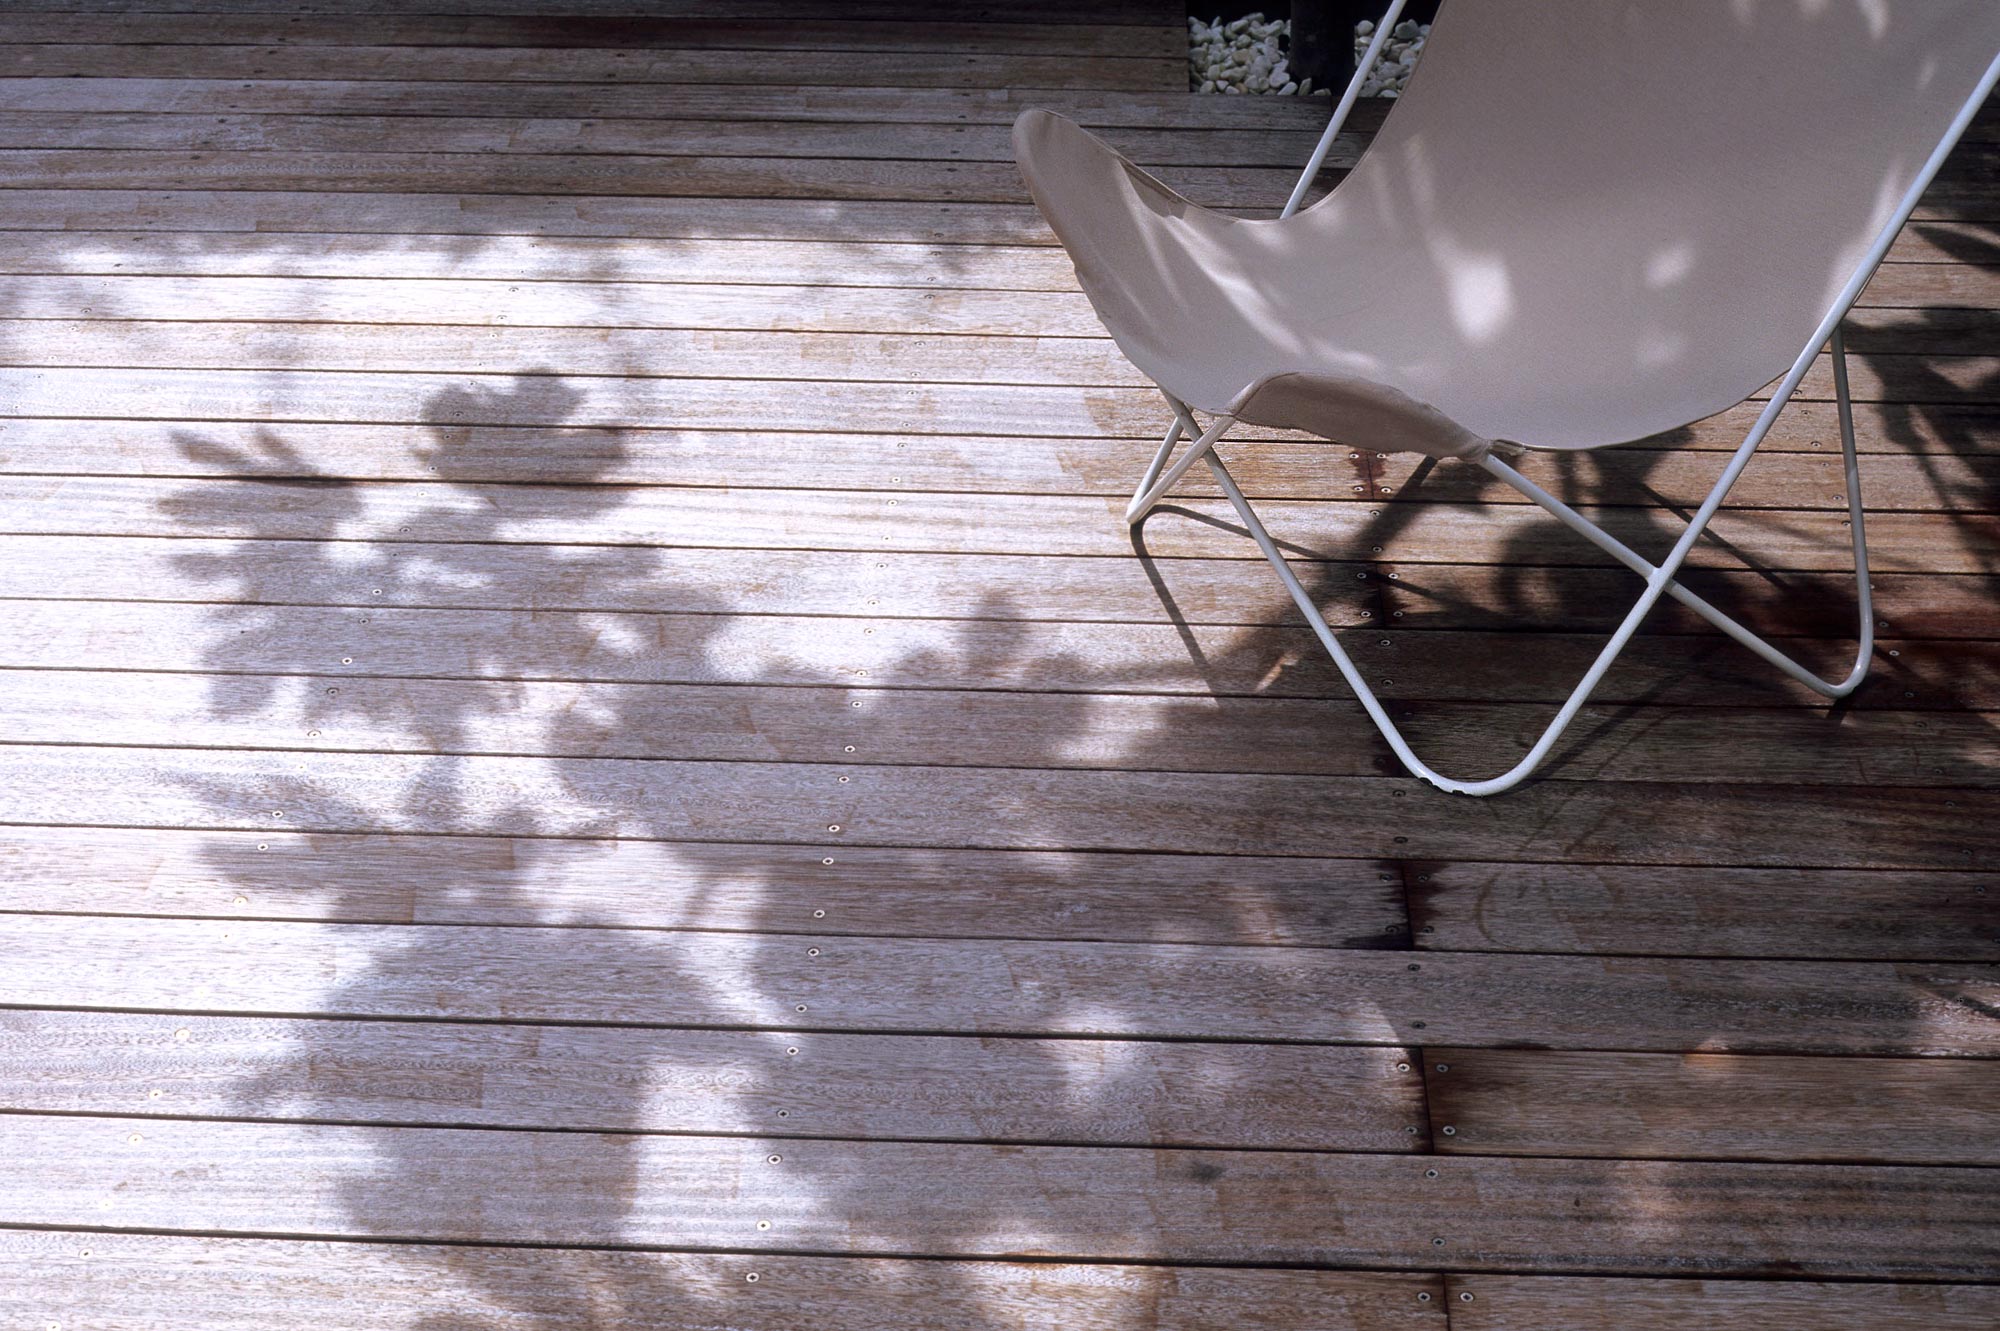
(1714, 1106)
(1270, 1207)
(648, 978)
(1137, 1093)
(119, 1281)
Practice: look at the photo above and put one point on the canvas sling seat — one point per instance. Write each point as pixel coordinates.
(1586, 222)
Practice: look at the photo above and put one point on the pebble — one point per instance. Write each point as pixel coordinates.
(1247, 55)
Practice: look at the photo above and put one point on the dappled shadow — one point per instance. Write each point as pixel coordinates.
(594, 803)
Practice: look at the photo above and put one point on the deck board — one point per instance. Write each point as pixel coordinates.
(583, 743)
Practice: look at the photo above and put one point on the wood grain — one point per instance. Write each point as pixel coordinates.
(1555, 1303)
(977, 728)
(1267, 1207)
(871, 891)
(1714, 1106)
(1712, 912)
(254, 1284)
(1135, 1093)
(1153, 990)
(617, 33)
(656, 66)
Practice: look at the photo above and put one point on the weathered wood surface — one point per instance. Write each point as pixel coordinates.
(415, 514)
(673, 1191)
(1556, 1303)
(1704, 912)
(619, 977)
(738, 102)
(1714, 1106)
(976, 728)
(119, 1282)
(1137, 1093)
(657, 65)
(627, 32)
(379, 463)
(413, 213)
(849, 890)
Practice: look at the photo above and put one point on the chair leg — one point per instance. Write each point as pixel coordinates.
(1603, 540)
(1154, 485)
(1659, 578)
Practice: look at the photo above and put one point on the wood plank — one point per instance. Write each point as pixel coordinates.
(1557, 1303)
(1157, 658)
(1267, 1207)
(1814, 605)
(1036, 11)
(278, 212)
(1714, 1106)
(1031, 410)
(979, 728)
(1013, 588)
(1245, 900)
(912, 1088)
(117, 1281)
(927, 807)
(1094, 107)
(1963, 192)
(614, 32)
(1013, 266)
(652, 978)
(313, 344)
(415, 514)
(881, 586)
(655, 66)
(1709, 912)
(693, 582)
(1295, 468)
(893, 140)
(1947, 370)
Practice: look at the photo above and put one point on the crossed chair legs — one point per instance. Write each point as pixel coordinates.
(1160, 478)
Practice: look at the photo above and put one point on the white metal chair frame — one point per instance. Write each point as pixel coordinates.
(1160, 478)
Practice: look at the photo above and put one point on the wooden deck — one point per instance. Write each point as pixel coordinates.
(585, 747)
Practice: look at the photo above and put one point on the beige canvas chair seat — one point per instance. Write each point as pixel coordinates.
(1586, 222)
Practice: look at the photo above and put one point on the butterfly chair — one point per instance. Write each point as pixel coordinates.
(1586, 222)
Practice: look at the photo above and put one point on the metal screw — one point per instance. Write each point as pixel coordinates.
(135, 1139)
(1402, 1067)
(833, 827)
(827, 860)
(1465, 1297)
(820, 914)
(1450, 1131)
(812, 951)
(1430, 1173)
(802, 1007)
(1423, 1297)
(774, 1159)
(843, 780)
(793, 1050)
(751, 1277)
(763, 1224)
(1437, 1243)
(848, 748)
(1415, 967)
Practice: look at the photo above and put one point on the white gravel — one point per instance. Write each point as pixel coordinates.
(1247, 55)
